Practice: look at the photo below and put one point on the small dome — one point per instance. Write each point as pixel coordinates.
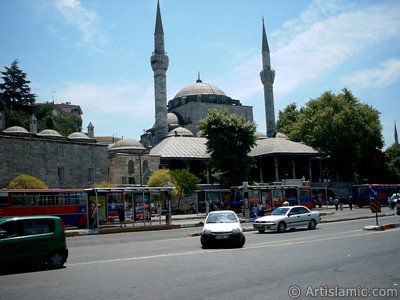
(199, 88)
(126, 145)
(281, 136)
(180, 131)
(49, 132)
(200, 133)
(172, 119)
(260, 135)
(16, 129)
(78, 136)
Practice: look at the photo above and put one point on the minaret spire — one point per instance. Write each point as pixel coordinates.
(396, 138)
(267, 76)
(159, 63)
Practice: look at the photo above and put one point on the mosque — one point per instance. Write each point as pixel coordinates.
(173, 142)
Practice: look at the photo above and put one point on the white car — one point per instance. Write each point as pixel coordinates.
(222, 227)
(288, 217)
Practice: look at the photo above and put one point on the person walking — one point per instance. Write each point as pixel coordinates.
(336, 202)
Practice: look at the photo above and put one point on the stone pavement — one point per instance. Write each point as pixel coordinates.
(328, 214)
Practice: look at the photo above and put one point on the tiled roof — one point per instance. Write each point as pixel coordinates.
(274, 146)
(182, 147)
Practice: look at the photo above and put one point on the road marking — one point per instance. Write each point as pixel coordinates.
(296, 241)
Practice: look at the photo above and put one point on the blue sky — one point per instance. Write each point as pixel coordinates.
(96, 53)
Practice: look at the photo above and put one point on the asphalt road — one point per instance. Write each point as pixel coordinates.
(334, 259)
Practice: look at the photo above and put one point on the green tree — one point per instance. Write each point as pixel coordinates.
(345, 128)
(24, 181)
(159, 178)
(392, 163)
(229, 141)
(186, 183)
(15, 91)
(287, 118)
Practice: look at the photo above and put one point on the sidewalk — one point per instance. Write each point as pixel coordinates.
(328, 214)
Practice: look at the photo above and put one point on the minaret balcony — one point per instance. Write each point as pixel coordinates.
(159, 61)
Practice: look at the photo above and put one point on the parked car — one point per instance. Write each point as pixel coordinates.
(32, 240)
(288, 217)
(222, 227)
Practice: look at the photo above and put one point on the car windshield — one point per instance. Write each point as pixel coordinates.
(280, 211)
(222, 218)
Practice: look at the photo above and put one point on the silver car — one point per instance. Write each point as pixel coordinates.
(288, 217)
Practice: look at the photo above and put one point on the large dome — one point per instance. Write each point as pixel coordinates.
(200, 88)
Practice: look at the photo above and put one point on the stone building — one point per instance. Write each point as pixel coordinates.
(61, 162)
(130, 163)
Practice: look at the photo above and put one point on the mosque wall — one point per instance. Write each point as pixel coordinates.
(60, 163)
(193, 112)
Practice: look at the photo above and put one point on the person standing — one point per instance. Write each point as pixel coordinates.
(350, 202)
(341, 202)
(121, 215)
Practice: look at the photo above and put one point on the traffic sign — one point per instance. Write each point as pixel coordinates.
(375, 205)
(374, 192)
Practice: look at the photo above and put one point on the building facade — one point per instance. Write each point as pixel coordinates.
(61, 162)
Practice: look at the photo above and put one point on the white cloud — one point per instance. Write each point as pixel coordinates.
(123, 98)
(84, 20)
(120, 109)
(324, 38)
(387, 73)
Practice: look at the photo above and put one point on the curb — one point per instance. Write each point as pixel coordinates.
(381, 227)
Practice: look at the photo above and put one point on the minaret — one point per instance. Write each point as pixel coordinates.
(267, 78)
(33, 125)
(159, 63)
(396, 138)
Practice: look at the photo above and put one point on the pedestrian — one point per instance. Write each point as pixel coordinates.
(260, 212)
(121, 215)
(341, 202)
(336, 202)
(350, 202)
(94, 216)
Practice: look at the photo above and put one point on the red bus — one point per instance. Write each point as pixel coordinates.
(69, 204)
(273, 196)
(360, 193)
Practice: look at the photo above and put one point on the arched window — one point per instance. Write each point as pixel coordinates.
(131, 167)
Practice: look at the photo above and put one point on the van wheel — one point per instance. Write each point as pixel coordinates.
(261, 230)
(56, 260)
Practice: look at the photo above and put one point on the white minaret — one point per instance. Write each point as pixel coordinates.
(159, 64)
(267, 78)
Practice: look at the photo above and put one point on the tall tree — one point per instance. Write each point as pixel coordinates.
(345, 128)
(15, 91)
(230, 139)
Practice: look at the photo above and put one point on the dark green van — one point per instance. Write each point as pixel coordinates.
(31, 240)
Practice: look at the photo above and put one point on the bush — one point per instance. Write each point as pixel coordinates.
(24, 181)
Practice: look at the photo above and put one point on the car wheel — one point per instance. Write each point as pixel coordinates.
(312, 224)
(204, 245)
(56, 260)
(261, 230)
(241, 242)
(281, 227)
